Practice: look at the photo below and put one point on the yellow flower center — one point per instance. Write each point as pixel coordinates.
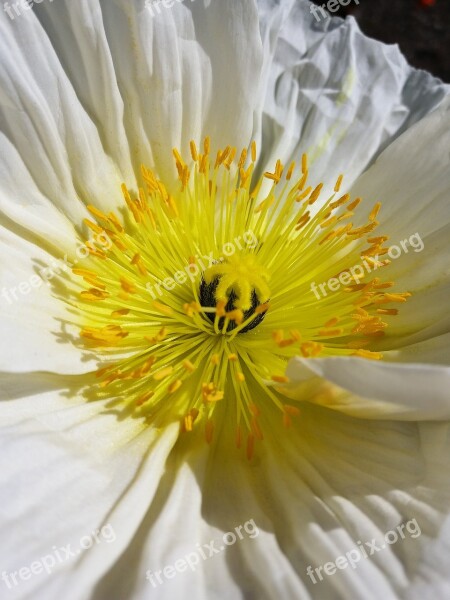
(207, 291)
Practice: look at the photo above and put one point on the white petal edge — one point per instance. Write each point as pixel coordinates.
(374, 389)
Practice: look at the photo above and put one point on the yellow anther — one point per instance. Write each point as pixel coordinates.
(277, 335)
(162, 308)
(293, 411)
(178, 159)
(290, 171)
(148, 364)
(127, 287)
(85, 273)
(171, 200)
(311, 349)
(188, 366)
(303, 195)
(328, 222)
(280, 378)
(131, 204)
(163, 373)
(368, 354)
(342, 200)
(375, 211)
(159, 337)
(360, 231)
(386, 298)
(354, 204)
(302, 182)
(331, 332)
(97, 213)
(378, 240)
(93, 226)
(230, 158)
(142, 399)
(332, 322)
(120, 313)
(387, 311)
(304, 163)
(242, 159)
(137, 260)
(316, 193)
(174, 386)
(193, 149)
(337, 187)
(93, 294)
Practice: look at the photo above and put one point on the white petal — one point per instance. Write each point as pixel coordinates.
(432, 580)
(435, 350)
(42, 117)
(159, 72)
(94, 89)
(25, 210)
(350, 481)
(310, 495)
(333, 92)
(372, 389)
(423, 270)
(412, 180)
(68, 474)
(36, 324)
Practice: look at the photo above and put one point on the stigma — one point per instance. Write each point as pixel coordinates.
(237, 287)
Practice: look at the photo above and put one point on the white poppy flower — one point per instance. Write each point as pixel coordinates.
(224, 281)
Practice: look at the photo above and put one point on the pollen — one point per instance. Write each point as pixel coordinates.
(206, 290)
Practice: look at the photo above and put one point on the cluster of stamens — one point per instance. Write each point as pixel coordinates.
(180, 356)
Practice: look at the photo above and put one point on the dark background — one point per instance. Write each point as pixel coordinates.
(420, 27)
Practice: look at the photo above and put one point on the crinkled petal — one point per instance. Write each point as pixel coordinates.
(333, 92)
(372, 389)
